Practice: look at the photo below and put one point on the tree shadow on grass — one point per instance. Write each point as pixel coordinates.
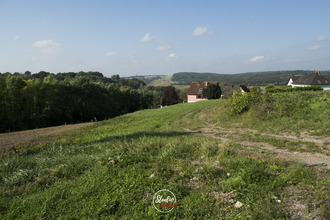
(137, 135)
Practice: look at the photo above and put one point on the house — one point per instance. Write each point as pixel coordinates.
(195, 91)
(312, 79)
(293, 78)
(229, 89)
(226, 89)
(244, 88)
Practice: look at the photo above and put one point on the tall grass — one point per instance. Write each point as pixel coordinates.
(112, 170)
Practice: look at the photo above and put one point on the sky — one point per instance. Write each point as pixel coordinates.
(153, 37)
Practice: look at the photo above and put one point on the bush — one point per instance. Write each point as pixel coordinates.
(241, 102)
(269, 86)
(290, 89)
(212, 91)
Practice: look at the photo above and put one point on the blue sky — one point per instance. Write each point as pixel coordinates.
(143, 37)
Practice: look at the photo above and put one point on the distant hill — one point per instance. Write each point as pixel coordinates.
(148, 79)
(278, 78)
(156, 80)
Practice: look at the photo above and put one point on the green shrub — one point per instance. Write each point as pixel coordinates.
(212, 91)
(290, 89)
(241, 102)
(269, 86)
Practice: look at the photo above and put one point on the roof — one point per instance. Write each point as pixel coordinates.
(294, 78)
(244, 88)
(314, 78)
(227, 89)
(230, 89)
(196, 88)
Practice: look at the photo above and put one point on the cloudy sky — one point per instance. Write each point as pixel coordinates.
(143, 37)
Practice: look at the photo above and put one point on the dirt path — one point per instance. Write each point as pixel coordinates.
(8, 140)
(234, 135)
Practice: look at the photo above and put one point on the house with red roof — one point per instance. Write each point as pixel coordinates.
(195, 91)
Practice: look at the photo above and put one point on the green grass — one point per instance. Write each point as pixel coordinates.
(292, 112)
(103, 172)
(163, 81)
(182, 86)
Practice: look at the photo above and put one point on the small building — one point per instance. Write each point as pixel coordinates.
(312, 79)
(293, 78)
(229, 89)
(244, 88)
(195, 91)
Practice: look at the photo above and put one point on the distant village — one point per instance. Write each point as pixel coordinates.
(315, 78)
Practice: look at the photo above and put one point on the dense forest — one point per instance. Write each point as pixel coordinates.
(278, 78)
(45, 99)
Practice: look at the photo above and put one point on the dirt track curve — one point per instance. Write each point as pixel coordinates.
(227, 135)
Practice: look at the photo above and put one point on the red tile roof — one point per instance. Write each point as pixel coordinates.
(196, 88)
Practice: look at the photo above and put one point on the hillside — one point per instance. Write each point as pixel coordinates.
(278, 78)
(270, 162)
(155, 80)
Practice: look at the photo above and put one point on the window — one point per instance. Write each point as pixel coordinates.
(200, 89)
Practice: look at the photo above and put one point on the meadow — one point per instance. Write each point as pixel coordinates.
(113, 168)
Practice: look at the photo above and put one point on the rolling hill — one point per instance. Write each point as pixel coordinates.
(278, 78)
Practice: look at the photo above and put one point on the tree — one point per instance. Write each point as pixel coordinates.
(212, 91)
(183, 94)
(170, 97)
(27, 74)
(41, 75)
(115, 78)
(269, 86)
(15, 101)
(46, 99)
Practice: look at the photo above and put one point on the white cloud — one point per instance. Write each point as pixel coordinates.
(47, 46)
(165, 47)
(199, 31)
(16, 37)
(146, 38)
(42, 43)
(321, 38)
(255, 59)
(109, 54)
(171, 56)
(315, 47)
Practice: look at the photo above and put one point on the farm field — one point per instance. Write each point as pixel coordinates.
(163, 81)
(218, 167)
(181, 86)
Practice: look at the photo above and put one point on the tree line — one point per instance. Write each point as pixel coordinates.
(278, 78)
(44, 99)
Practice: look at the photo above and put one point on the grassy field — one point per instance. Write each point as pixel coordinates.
(182, 86)
(113, 168)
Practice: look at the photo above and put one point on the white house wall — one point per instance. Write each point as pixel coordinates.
(290, 82)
